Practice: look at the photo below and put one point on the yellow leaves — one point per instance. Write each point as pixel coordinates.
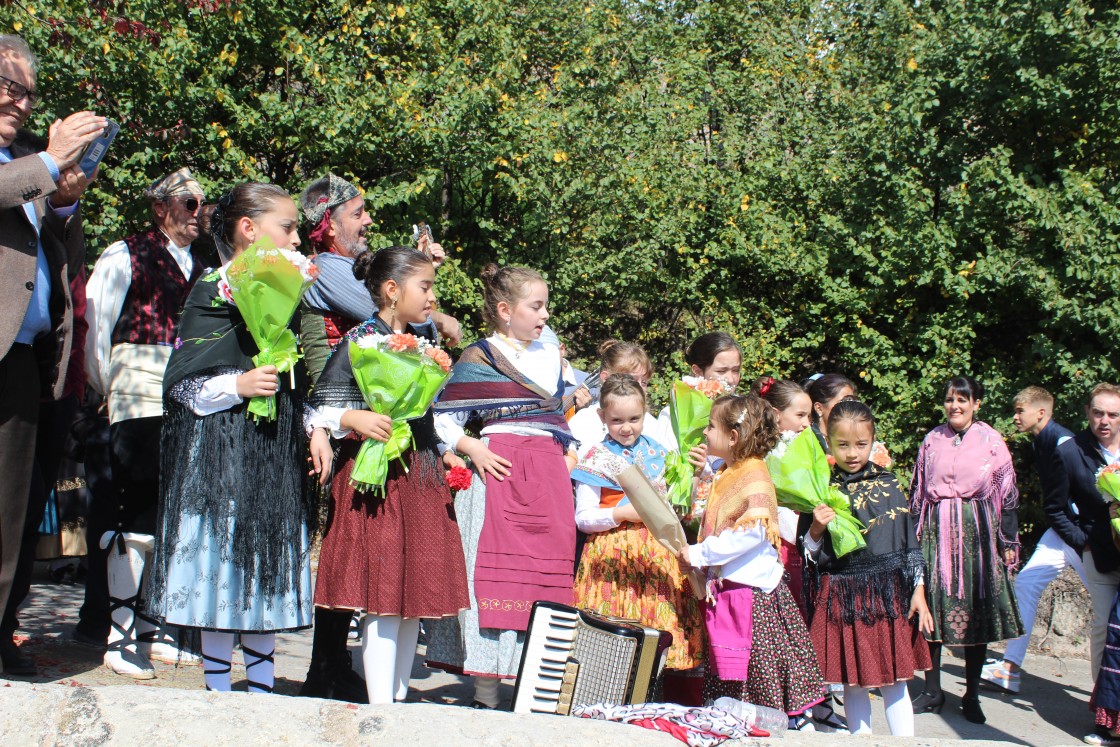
(968, 269)
(17, 26)
(222, 133)
(227, 143)
(886, 106)
(238, 16)
(228, 57)
(501, 162)
(745, 203)
(105, 48)
(560, 156)
(278, 71)
(220, 95)
(912, 64)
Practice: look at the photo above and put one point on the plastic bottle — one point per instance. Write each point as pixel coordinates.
(759, 717)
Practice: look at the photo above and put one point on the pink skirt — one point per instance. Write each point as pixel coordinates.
(730, 624)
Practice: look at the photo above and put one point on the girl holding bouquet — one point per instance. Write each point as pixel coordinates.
(625, 571)
(231, 551)
(390, 550)
(867, 609)
(793, 407)
(964, 497)
(759, 648)
(712, 356)
(517, 520)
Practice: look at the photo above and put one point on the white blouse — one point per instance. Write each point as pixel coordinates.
(743, 556)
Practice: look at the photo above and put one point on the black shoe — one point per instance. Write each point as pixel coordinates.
(972, 711)
(334, 683)
(479, 705)
(15, 661)
(89, 641)
(929, 703)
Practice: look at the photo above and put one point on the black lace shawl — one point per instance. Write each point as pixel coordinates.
(224, 467)
(878, 580)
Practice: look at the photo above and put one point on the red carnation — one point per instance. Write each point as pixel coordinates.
(459, 478)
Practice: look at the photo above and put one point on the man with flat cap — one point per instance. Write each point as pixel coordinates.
(135, 296)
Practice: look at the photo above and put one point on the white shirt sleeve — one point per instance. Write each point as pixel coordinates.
(589, 517)
(665, 427)
(329, 418)
(217, 393)
(727, 545)
(449, 427)
(813, 547)
(105, 293)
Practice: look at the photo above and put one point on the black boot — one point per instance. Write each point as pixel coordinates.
(331, 675)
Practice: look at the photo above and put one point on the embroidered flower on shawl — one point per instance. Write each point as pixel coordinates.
(225, 295)
(880, 455)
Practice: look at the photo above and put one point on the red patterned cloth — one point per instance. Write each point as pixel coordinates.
(856, 653)
(156, 294)
(397, 555)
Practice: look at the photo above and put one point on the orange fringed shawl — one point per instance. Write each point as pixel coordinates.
(742, 495)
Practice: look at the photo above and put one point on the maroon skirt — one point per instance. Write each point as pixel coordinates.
(882, 653)
(394, 555)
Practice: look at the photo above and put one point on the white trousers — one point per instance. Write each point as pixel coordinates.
(1051, 557)
(1102, 592)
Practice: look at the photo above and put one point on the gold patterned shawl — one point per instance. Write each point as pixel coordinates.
(742, 495)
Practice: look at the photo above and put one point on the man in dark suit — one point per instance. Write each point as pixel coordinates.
(1074, 479)
(41, 247)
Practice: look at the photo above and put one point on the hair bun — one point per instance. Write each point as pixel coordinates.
(606, 345)
(489, 272)
(363, 263)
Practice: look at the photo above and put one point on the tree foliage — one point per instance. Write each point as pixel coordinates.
(900, 191)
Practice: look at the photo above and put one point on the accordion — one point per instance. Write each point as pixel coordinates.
(574, 657)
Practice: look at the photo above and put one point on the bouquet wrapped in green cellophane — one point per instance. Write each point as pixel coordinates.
(266, 284)
(690, 404)
(801, 479)
(399, 375)
(1108, 482)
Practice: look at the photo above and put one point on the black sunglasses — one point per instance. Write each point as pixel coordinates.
(191, 203)
(17, 92)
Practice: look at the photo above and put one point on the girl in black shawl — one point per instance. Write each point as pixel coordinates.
(866, 609)
(231, 552)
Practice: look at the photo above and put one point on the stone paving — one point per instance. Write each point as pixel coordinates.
(1052, 709)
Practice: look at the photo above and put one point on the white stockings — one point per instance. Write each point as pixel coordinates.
(217, 657)
(900, 713)
(388, 649)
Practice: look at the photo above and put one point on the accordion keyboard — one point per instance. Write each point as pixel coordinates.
(539, 687)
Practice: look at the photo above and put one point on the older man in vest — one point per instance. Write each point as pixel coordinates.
(136, 294)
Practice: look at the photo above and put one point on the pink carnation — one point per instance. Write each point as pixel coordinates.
(440, 356)
(398, 343)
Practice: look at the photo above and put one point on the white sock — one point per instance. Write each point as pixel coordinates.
(486, 691)
(379, 655)
(900, 711)
(857, 709)
(217, 653)
(406, 653)
(259, 670)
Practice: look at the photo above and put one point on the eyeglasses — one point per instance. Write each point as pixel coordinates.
(191, 204)
(17, 92)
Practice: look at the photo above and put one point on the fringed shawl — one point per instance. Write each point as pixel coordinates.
(742, 496)
(975, 468)
(489, 388)
(878, 580)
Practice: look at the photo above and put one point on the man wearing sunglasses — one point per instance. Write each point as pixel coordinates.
(41, 249)
(135, 294)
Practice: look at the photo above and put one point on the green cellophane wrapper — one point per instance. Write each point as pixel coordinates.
(688, 415)
(403, 386)
(267, 289)
(801, 480)
(1108, 482)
